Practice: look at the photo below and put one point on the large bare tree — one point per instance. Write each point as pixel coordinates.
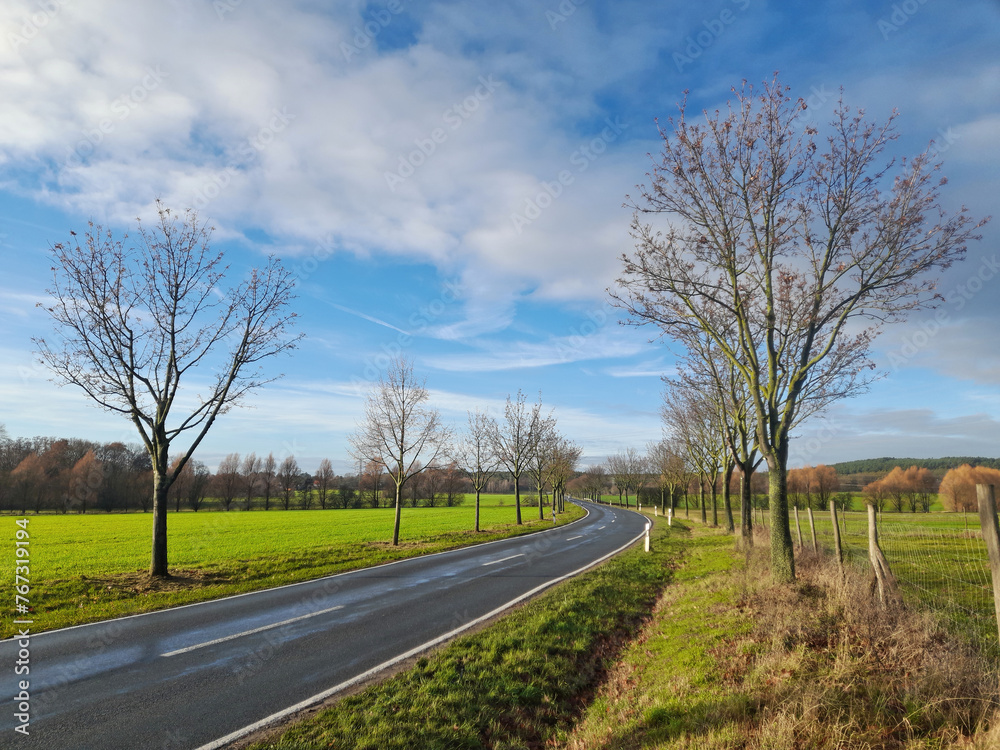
(399, 433)
(136, 318)
(805, 252)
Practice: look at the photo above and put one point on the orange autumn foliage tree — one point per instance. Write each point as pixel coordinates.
(812, 486)
(910, 489)
(958, 488)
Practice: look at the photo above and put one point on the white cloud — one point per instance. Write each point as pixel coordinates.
(257, 119)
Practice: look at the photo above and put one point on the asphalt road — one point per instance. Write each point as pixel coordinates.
(202, 675)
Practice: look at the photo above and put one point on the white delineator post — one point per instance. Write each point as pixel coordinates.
(647, 537)
(670, 516)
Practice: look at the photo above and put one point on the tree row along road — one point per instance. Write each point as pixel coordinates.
(202, 675)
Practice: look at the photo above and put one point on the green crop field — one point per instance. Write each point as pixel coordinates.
(91, 567)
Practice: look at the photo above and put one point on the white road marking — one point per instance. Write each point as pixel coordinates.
(251, 632)
(575, 537)
(602, 527)
(520, 554)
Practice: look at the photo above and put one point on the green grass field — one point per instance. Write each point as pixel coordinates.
(91, 567)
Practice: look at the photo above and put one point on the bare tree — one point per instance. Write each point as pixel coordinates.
(371, 481)
(660, 457)
(565, 456)
(399, 430)
(453, 484)
(541, 458)
(85, 481)
(324, 481)
(268, 471)
(228, 479)
(515, 438)
(133, 320)
(251, 470)
(807, 253)
(675, 470)
(288, 478)
(475, 455)
(627, 469)
(433, 482)
(690, 418)
(599, 480)
(618, 471)
(198, 483)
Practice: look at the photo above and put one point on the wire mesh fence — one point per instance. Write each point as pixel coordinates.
(939, 560)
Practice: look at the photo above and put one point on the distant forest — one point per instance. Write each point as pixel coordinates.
(885, 465)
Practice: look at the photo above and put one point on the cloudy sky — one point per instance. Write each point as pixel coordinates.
(403, 159)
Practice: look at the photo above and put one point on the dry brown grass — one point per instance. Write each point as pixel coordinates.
(837, 669)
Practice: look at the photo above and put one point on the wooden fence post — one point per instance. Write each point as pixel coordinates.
(838, 550)
(986, 497)
(880, 566)
(798, 526)
(812, 528)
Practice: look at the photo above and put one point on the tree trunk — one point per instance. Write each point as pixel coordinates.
(715, 504)
(541, 512)
(477, 509)
(746, 508)
(782, 553)
(399, 505)
(701, 499)
(727, 500)
(158, 564)
(517, 499)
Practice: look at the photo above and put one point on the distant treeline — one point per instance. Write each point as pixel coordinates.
(885, 465)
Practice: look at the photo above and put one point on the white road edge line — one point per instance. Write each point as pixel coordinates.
(520, 554)
(320, 697)
(251, 632)
(580, 536)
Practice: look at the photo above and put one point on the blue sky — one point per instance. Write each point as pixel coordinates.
(405, 160)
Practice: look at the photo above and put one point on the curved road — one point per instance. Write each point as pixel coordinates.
(203, 675)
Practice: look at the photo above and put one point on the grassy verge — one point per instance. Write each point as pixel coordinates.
(519, 683)
(731, 661)
(91, 568)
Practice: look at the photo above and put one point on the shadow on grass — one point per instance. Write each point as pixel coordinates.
(687, 721)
